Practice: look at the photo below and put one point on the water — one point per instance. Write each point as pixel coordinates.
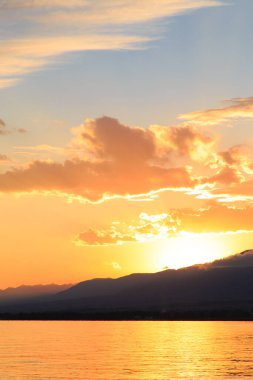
(125, 350)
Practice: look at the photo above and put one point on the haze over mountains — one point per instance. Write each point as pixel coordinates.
(26, 292)
(224, 285)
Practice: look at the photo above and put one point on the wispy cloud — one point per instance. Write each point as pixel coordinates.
(19, 4)
(237, 108)
(22, 56)
(46, 29)
(125, 12)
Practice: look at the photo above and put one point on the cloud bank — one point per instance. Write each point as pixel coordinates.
(109, 159)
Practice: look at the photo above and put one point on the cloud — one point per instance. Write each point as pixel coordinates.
(17, 4)
(228, 176)
(91, 237)
(108, 159)
(214, 219)
(108, 138)
(92, 181)
(238, 108)
(184, 141)
(118, 11)
(7, 82)
(47, 30)
(122, 12)
(240, 192)
(240, 157)
(146, 228)
(22, 56)
(111, 159)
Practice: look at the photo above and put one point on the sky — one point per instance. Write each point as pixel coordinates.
(125, 136)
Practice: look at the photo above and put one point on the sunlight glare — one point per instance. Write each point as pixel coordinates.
(190, 249)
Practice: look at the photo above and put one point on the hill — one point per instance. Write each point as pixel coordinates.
(223, 287)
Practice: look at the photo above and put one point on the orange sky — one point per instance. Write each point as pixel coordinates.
(123, 199)
(106, 197)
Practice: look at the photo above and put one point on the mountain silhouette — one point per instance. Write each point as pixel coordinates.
(25, 292)
(222, 286)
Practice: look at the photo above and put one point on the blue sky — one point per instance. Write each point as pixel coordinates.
(200, 58)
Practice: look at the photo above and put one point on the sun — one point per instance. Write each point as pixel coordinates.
(189, 249)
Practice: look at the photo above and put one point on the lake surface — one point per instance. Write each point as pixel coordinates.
(125, 350)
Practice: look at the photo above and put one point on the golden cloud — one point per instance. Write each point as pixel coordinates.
(238, 108)
(22, 56)
(215, 218)
(120, 12)
(110, 159)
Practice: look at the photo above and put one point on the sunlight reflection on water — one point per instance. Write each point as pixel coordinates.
(125, 350)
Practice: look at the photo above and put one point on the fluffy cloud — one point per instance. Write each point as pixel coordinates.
(107, 138)
(237, 108)
(92, 181)
(111, 159)
(183, 141)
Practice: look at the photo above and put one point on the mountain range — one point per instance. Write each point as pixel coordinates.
(27, 292)
(218, 290)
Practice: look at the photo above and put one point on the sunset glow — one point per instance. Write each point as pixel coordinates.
(190, 249)
(126, 139)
